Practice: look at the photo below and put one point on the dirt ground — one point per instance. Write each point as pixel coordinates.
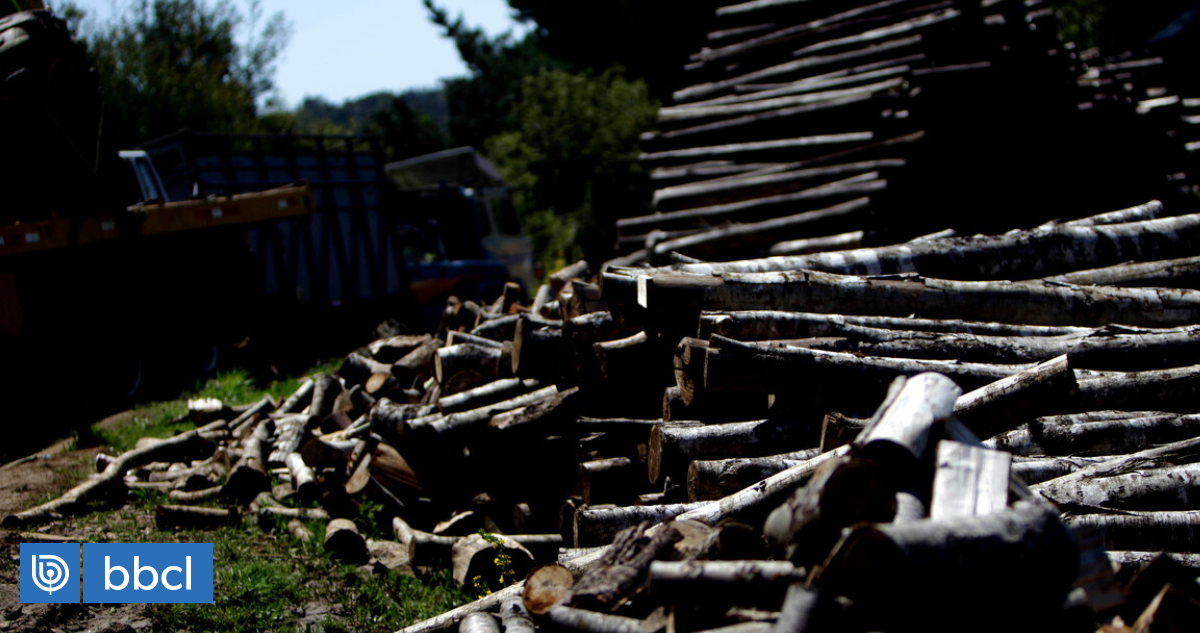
(52, 471)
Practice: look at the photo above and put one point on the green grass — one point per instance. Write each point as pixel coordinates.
(233, 387)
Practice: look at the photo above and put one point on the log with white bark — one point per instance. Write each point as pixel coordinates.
(1110, 347)
(1026, 553)
(513, 614)
(474, 418)
(621, 571)
(741, 581)
(1180, 272)
(907, 416)
(343, 541)
(537, 350)
(1030, 302)
(804, 246)
(243, 423)
(290, 432)
(1014, 255)
(167, 517)
(430, 550)
(483, 395)
(485, 362)
(249, 476)
(1173, 389)
(358, 369)
(195, 496)
(326, 389)
(417, 365)
(761, 325)
(479, 622)
(562, 277)
(846, 491)
(564, 618)
(1167, 531)
(391, 349)
(831, 377)
(712, 479)
(1045, 388)
(607, 480)
(110, 482)
(1035, 470)
(299, 399)
(390, 418)
(304, 481)
(1163, 488)
(599, 525)
(674, 445)
(548, 415)
(1110, 437)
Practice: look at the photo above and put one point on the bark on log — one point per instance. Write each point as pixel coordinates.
(244, 422)
(738, 581)
(600, 525)
(1180, 272)
(417, 365)
(712, 479)
(1167, 487)
(673, 446)
(474, 418)
(831, 377)
(195, 496)
(546, 586)
(459, 338)
(608, 480)
(762, 325)
(299, 530)
(500, 328)
(110, 481)
(620, 573)
(1025, 551)
(393, 348)
(563, 276)
(167, 517)
(907, 416)
(1035, 470)
(304, 481)
(1013, 255)
(1168, 531)
(1032, 302)
(390, 418)
(290, 432)
(432, 550)
(326, 389)
(486, 361)
(1174, 389)
(513, 614)
(564, 618)
(300, 399)
(1045, 388)
(484, 395)
(1110, 437)
(249, 475)
(479, 622)
(805, 246)
(838, 429)
(545, 416)
(343, 542)
(846, 491)
(537, 350)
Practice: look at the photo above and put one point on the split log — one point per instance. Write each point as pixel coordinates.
(969, 481)
(846, 491)
(479, 622)
(600, 525)
(713, 479)
(1027, 553)
(739, 581)
(484, 395)
(761, 325)
(290, 432)
(110, 482)
(304, 481)
(1029, 302)
(674, 445)
(621, 571)
(249, 475)
(473, 557)
(343, 542)
(1168, 531)
(1175, 487)
(513, 614)
(546, 586)
(564, 618)
(167, 517)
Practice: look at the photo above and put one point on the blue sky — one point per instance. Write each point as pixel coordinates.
(343, 50)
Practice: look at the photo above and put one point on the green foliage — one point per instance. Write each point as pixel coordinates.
(170, 64)
(506, 574)
(571, 158)
(1080, 21)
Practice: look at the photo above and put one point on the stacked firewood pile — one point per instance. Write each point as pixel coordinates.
(788, 443)
(834, 119)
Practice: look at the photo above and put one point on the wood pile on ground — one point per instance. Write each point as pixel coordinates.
(840, 441)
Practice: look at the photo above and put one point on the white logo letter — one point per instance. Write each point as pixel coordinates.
(137, 576)
(108, 570)
(169, 586)
(51, 574)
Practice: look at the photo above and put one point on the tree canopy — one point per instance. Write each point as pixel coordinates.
(171, 64)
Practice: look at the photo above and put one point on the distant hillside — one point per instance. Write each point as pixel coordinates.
(355, 116)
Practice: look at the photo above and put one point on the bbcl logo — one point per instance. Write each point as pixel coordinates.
(116, 572)
(49, 572)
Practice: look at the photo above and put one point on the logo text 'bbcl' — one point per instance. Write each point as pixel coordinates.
(147, 572)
